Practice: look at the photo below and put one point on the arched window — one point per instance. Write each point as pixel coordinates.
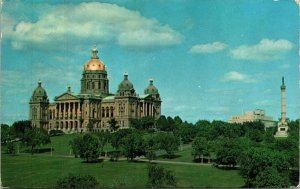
(107, 112)
(103, 112)
(93, 85)
(111, 111)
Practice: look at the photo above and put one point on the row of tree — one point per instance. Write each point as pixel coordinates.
(130, 143)
(21, 132)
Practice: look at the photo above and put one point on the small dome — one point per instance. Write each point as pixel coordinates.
(95, 63)
(39, 91)
(151, 89)
(126, 86)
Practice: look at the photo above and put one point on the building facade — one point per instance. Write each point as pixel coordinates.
(257, 115)
(94, 106)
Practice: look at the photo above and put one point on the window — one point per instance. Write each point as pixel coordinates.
(111, 111)
(103, 112)
(107, 112)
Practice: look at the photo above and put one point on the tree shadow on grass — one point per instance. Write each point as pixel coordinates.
(94, 161)
(39, 150)
(224, 167)
(165, 156)
(198, 160)
(137, 161)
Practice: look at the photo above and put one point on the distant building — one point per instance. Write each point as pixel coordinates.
(257, 115)
(94, 106)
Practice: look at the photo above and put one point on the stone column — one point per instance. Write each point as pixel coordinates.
(283, 104)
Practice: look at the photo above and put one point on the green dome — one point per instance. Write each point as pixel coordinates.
(39, 94)
(40, 91)
(151, 89)
(125, 87)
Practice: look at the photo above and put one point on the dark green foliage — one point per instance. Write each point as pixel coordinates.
(269, 138)
(255, 135)
(186, 132)
(113, 124)
(10, 148)
(270, 178)
(89, 147)
(165, 124)
(56, 133)
(151, 146)
(200, 148)
(227, 152)
(116, 138)
(34, 137)
(158, 176)
(76, 145)
(6, 133)
(203, 128)
(262, 167)
(90, 126)
(255, 130)
(104, 138)
(168, 142)
(77, 181)
(19, 128)
(133, 145)
(143, 124)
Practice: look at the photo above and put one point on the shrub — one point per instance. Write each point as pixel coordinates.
(77, 181)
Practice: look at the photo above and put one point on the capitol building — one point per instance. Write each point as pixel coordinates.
(94, 107)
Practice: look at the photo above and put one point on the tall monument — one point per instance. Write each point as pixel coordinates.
(282, 126)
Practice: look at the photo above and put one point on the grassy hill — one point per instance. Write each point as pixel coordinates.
(43, 170)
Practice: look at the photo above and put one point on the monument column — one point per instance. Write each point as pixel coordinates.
(282, 126)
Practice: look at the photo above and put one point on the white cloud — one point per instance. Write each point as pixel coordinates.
(92, 23)
(237, 76)
(264, 103)
(285, 66)
(208, 48)
(265, 50)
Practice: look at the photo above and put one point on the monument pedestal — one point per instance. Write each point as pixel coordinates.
(282, 130)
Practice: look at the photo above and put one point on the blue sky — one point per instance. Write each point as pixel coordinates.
(209, 59)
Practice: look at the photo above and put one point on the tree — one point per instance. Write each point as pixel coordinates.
(89, 147)
(200, 148)
(269, 136)
(261, 167)
(90, 126)
(76, 145)
(10, 148)
(158, 176)
(6, 133)
(151, 146)
(186, 132)
(113, 124)
(116, 138)
(227, 152)
(161, 123)
(168, 142)
(133, 145)
(270, 178)
(35, 137)
(77, 181)
(143, 124)
(165, 124)
(104, 137)
(20, 127)
(203, 128)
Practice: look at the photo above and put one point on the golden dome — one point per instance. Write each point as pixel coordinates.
(95, 63)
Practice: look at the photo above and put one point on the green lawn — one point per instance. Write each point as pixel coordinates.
(43, 171)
